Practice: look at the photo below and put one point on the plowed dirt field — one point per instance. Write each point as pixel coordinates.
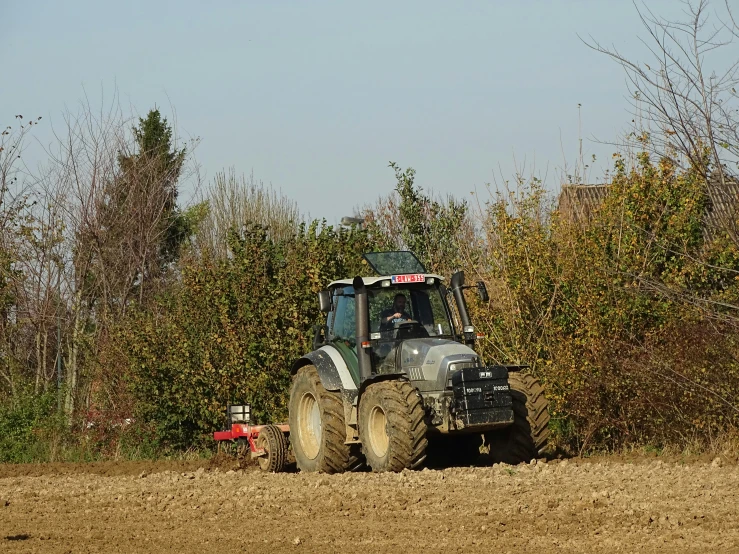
(602, 505)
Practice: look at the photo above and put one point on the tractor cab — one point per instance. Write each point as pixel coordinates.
(406, 311)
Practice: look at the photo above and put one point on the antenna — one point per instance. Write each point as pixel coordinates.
(579, 135)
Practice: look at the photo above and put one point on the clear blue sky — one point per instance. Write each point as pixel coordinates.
(316, 97)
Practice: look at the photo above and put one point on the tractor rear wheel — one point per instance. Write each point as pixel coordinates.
(392, 426)
(275, 446)
(317, 429)
(527, 438)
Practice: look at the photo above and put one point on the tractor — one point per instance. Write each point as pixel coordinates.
(393, 378)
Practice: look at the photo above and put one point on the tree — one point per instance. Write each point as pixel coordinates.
(141, 228)
(414, 220)
(235, 202)
(684, 110)
(163, 161)
(27, 239)
(116, 187)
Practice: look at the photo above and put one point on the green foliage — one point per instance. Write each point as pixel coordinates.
(231, 330)
(154, 139)
(30, 428)
(413, 220)
(185, 224)
(162, 163)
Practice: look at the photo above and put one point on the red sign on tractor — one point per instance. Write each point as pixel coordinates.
(415, 278)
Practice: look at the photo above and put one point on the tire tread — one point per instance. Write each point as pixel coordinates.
(406, 425)
(529, 434)
(334, 456)
(277, 446)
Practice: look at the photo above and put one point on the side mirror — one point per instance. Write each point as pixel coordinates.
(482, 291)
(319, 336)
(324, 301)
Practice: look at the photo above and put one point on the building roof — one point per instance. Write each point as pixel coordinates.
(578, 203)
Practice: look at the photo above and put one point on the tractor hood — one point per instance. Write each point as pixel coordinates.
(431, 362)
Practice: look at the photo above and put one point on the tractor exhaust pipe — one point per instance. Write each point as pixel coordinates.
(362, 329)
(457, 285)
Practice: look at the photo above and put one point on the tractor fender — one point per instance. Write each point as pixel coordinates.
(335, 376)
(332, 370)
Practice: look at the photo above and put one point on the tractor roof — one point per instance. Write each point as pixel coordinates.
(369, 281)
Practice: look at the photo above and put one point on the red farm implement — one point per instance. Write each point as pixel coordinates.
(269, 444)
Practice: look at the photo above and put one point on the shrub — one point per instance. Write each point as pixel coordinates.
(31, 430)
(619, 316)
(232, 328)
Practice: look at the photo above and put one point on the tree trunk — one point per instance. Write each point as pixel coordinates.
(37, 384)
(72, 373)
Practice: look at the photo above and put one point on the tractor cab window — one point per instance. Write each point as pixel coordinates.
(344, 327)
(394, 308)
(416, 311)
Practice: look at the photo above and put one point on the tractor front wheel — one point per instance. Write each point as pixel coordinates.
(317, 429)
(527, 438)
(392, 427)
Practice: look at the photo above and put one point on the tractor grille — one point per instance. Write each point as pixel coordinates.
(415, 373)
(462, 365)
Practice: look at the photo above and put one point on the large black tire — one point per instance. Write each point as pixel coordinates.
(317, 429)
(528, 437)
(275, 445)
(392, 426)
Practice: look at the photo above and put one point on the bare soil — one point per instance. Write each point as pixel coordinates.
(596, 505)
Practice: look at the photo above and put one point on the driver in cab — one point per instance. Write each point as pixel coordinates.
(396, 314)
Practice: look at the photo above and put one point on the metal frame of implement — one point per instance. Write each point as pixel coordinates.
(238, 426)
(248, 432)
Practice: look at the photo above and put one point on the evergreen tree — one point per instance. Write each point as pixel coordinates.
(162, 163)
(140, 229)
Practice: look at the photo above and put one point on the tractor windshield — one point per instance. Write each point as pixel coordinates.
(394, 263)
(398, 313)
